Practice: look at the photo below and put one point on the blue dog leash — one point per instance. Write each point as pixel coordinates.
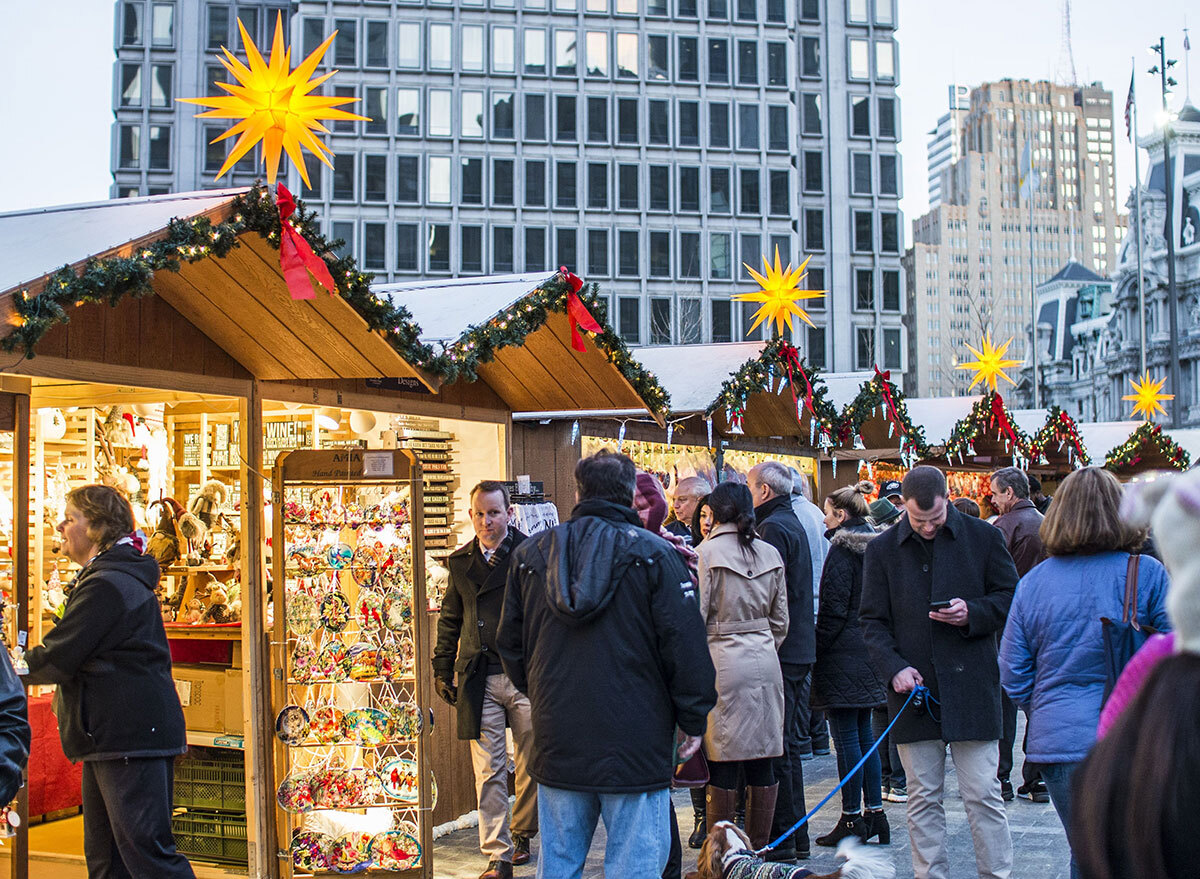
(917, 696)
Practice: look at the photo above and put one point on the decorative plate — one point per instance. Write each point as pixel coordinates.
(370, 786)
(396, 850)
(364, 662)
(295, 793)
(333, 662)
(292, 725)
(370, 609)
(399, 776)
(405, 721)
(302, 615)
(367, 553)
(335, 611)
(304, 663)
(350, 852)
(336, 789)
(326, 724)
(366, 726)
(310, 850)
(397, 610)
(304, 558)
(339, 556)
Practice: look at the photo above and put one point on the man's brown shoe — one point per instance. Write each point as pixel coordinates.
(520, 850)
(497, 870)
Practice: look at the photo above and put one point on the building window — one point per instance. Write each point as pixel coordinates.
(565, 129)
(777, 64)
(131, 85)
(861, 173)
(780, 194)
(689, 60)
(629, 320)
(627, 120)
(504, 50)
(656, 7)
(689, 123)
(408, 112)
(721, 311)
(597, 120)
(131, 24)
(627, 188)
(891, 349)
(535, 249)
(747, 10)
(440, 57)
(886, 109)
(627, 56)
(408, 45)
(660, 255)
(718, 126)
(859, 59)
(747, 62)
(376, 109)
(312, 35)
(375, 179)
(810, 10)
(566, 249)
(885, 60)
(162, 24)
(408, 179)
(502, 249)
(718, 60)
(440, 113)
(857, 13)
(160, 147)
(689, 257)
(719, 198)
(377, 44)
(811, 104)
(660, 320)
(374, 246)
(535, 51)
(883, 13)
(565, 63)
(814, 176)
(860, 115)
(691, 321)
(658, 61)
(503, 172)
(864, 289)
(472, 115)
(816, 346)
(755, 335)
(407, 236)
(686, 9)
(438, 258)
(597, 193)
(346, 125)
(535, 117)
(345, 47)
(814, 229)
(660, 187)
(502, 116)
(597, 53)
(437, 181)
(627, 251)
(752, 253)
(717, 10)
(749, 201)
(889, 232)
(214, 158)
(777, 129)
(891, 290)
(888, 178)
(719, 257)
(660, 123)
(343, 231)
(864, 347)
(129, 149)
(864, 239)
(810, 57)
(748, 127)
(565, 185)
(689, 189)
(814, 279)
(472, 181)
(597, 244)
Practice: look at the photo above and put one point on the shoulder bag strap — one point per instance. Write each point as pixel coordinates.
(1129, 614)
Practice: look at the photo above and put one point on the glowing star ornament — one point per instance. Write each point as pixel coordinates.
(990, 363)
(1147, 397)
(275, 105)
(779, 294)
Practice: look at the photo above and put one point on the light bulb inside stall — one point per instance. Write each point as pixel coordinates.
(329, 418)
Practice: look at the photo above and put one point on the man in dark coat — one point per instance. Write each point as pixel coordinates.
(602, 630)
(770, 485)
(485, 696)
(1020, 521)
(936, 591)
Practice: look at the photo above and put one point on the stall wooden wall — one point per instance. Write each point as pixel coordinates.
(544, 452)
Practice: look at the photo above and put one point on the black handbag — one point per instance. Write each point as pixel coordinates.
(1124, 637)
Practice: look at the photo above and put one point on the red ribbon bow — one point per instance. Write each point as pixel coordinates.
(577, 311)
(791, 359)
(1000, 419)
(296, 257)
(885, 386)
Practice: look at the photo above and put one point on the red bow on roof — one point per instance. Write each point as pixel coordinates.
(296, 257)
(885, 379)
(791, 359)
(577, 311)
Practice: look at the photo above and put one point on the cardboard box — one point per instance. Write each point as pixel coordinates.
(211, 698)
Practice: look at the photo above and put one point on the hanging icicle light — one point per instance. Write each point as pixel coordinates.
(621, 437)
(833, 461)
(575, 431)
(708, 422)
(670, 431)
(858, 441)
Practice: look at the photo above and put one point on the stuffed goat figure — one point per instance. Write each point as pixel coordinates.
(206, 506)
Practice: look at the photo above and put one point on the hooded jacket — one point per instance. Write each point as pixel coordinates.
(843, 676)
(601, 629)
(110, 659)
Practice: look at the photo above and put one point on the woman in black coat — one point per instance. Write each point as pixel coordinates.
(844, 683)
(118, 712)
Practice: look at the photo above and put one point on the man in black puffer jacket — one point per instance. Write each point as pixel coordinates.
(601, 629)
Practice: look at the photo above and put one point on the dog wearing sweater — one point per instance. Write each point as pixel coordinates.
(727, 854)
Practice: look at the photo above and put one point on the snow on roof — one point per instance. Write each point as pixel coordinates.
(445, 308)
(39, 241)
(693, 374)
(844, 387)
(1030, 420)
(1101, 437)
(938, 415)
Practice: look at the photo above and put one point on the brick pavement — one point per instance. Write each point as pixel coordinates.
(1039, 844)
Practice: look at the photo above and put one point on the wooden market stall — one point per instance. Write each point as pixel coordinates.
(167, 355)
(1130, 449)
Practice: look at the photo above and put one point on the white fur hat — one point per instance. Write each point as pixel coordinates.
(1171, 504)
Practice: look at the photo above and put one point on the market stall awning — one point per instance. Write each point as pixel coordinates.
(229, 283)
(1131, 447)
(513, 331)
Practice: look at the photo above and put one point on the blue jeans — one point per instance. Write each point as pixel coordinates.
(852, 737)
(1057, 777)
(637, 827)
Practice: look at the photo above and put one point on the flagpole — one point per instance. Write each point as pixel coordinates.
(1137, 190)
(1037, 393)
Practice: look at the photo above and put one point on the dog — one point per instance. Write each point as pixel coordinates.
(727, 854)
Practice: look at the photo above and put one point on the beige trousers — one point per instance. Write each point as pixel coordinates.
(489, 755)
(975, 763)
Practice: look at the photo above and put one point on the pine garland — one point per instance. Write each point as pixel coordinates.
(870, 398)
(982, 422)
(109, 280)
(1151, 436)
(1058, 431)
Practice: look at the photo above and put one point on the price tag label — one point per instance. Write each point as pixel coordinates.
(378, 464)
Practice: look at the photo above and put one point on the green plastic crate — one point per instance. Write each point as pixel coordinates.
(206, 780)
(211, 836)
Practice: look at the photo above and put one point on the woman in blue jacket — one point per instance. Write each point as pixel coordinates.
(1052, 660)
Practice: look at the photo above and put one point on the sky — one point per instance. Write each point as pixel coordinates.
(57, 76)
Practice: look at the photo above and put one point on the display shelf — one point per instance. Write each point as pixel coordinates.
(215, 740)
(205, 631)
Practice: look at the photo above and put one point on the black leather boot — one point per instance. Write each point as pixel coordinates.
(877, 826)
(848, 825)
(698, 832)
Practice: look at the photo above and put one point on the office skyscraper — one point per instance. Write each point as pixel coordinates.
(945, 141)
(651, 145)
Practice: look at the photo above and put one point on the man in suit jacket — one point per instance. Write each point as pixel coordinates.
(484, 695)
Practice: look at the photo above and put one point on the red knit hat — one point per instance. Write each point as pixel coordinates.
(650, 502)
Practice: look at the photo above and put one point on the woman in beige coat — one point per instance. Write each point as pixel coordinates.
(743, 600)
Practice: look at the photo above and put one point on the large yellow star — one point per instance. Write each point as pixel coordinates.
(1147, 397)
(990, 363)
(779, 294)
(274, 105)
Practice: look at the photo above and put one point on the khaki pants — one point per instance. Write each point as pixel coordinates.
(489, 756)
(975, 763)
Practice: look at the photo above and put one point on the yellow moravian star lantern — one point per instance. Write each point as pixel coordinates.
(1147, 397)
(989, 363)
(779, 294)
(275, 105)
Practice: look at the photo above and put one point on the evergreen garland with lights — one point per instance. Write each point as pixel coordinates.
(1059, 431)
(112, 279)
(1129, 453)
(986, 420)
(911, 435)
(757, 375)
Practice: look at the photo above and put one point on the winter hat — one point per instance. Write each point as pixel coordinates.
(882, 512)
(1172, 505)
(648, 497)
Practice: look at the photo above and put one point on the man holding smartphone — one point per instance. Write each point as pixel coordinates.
(936, 590)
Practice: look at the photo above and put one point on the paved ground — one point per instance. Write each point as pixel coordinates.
(1039, 844)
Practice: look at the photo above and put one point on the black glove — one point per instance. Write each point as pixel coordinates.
(446, 690)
